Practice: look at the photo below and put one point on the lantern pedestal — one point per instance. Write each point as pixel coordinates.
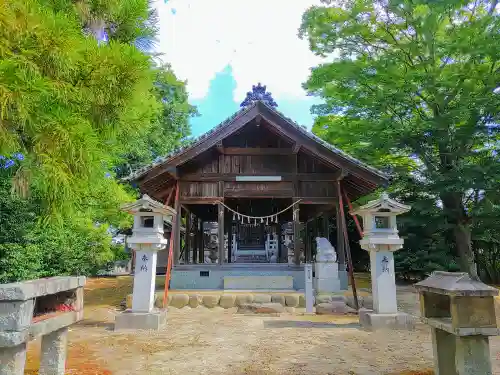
(153, 320)
(143, 314)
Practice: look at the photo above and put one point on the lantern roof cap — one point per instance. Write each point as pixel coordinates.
(147, 204)
(382, 204)
(455, 283)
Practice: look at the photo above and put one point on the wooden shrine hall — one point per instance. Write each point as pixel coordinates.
(252, 195)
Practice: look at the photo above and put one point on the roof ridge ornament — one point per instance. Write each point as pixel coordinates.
(258, 93)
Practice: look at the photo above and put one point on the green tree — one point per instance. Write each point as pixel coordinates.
(73, 107)
(80, 97)
(414, 80)
(170, 127)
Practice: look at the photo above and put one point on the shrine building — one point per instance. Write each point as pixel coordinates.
(253, 193)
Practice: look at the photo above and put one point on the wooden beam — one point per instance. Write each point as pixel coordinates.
(201, 200)
(296, 147)
(332, 177)
(160, 170)
(256, 151)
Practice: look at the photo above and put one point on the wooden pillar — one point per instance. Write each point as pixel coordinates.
(221, 233)
(188, 240)
(340, 242)
(177, 234)
(326, 226)
(307, 239)
(296, 234)
(228, 232)
(194, 229)
(201, 242)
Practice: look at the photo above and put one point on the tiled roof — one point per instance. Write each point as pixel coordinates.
(227, 122)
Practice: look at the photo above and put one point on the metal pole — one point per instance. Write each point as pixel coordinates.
(171, 245)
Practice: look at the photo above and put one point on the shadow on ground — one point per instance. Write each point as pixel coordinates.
(306, 324)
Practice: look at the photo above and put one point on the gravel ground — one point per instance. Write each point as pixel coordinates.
(217, 341)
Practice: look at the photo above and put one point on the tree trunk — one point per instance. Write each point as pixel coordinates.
(459, 220)
(464, 248)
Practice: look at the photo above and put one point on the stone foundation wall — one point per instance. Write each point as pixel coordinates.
(211, 277)
(229, 300)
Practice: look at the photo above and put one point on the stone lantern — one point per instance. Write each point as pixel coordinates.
(147, 239)
(461, 313)
(381, 239)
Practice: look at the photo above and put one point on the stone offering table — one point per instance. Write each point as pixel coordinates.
(461, 312)
(44, 307)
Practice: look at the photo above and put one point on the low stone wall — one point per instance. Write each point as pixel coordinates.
(228, 300)
(44, 307)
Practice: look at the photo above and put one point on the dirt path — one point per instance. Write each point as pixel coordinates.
(217, 341)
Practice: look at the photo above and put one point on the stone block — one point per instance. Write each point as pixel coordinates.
(290, 310)
(159, 300)
(79, 294)
(12, 360)
(25, 290)
(334, 308)
(368, 302)
(13, 338)
(211, 300)
(227, 301)
(323, 298)
(55, 323)
(262, 308)
(444, 346)
(154, 320)
(292, 300)
(278, 298)
(16, 315)
(53, 353)
(261, 298)
(473, 355)
(195, 300)
(243, 299)
(373, 321)
(179, 300)
(365, 302)
(302, 300)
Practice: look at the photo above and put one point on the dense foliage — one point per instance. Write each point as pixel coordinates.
(82, 102)
(413, 85)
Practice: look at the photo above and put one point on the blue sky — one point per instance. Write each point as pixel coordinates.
(223, 47)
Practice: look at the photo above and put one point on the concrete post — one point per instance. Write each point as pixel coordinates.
(309, 295)
(53, 357)
(12, 360)
(383, 282)
(443, 345)
(144, 281)
(472, 355)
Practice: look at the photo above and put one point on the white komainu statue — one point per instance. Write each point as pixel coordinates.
(325, 250)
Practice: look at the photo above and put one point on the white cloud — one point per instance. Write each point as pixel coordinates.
(258, 38)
